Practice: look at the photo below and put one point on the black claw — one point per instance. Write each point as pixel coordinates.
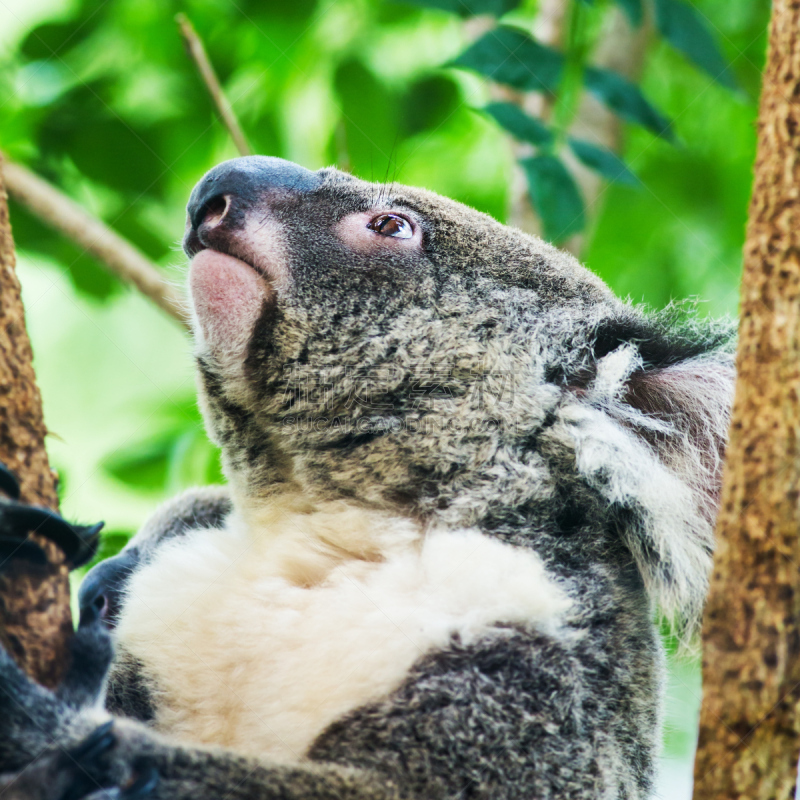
(143, 786)
(89, 536)
(9, 484)
(27, 550)
(79, 542)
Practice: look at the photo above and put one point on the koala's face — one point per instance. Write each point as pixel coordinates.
(329, 313)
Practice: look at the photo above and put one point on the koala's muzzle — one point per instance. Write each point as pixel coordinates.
(220, 202)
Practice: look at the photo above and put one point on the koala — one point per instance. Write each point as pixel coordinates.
(463, 481)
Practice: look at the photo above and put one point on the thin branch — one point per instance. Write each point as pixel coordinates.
(63, 214)
(195, 48)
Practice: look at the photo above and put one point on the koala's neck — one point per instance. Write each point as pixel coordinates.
(433, 417)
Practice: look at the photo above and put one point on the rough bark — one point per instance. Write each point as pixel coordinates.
(749, 725)
(35, 620)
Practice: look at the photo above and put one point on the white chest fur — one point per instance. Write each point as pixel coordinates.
(261, 635)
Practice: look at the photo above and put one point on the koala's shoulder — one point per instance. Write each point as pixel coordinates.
(199, 507)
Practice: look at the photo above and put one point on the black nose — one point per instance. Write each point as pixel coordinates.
(101, 591)
(246, 181)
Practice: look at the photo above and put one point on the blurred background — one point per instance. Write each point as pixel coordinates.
(623, 130)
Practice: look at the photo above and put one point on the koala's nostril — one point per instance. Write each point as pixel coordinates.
(100, 605)
(212, 212)
(93, 608)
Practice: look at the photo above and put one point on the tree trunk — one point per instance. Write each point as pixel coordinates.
(35, 619)
(749, 724)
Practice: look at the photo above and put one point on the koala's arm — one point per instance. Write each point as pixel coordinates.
(63, 746)
(514, 716)
(521, 716)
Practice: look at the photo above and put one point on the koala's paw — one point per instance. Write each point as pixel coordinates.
(90, 770)
(31, 716)
(17, 520)
(91, 652)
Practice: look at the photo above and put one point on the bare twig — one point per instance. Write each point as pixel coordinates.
(64, 215)
(195, 48)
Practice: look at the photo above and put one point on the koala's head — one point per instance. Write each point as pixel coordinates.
(393, 346)
(331, 313)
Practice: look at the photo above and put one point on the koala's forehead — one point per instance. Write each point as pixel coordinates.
(355, 194)
(473, 241)
(461, 239)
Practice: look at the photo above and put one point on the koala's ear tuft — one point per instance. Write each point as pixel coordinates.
(649, 434)
(693, 399)
(687, 406)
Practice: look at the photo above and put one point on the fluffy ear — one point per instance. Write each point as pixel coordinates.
(649, 434)
(693, 398)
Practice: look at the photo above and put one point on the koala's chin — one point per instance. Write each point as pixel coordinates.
(463, 478)
(228, 296)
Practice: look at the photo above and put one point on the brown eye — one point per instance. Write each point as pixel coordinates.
(391, 225)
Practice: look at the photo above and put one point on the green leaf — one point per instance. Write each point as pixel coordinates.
(626, 100)
(52, 39)
(603, 161)
(298, 10)
(175, 459)
(143, 466)
(83, 126)
(427, 104)
(686, 30)
(87, 277)
(633, 8)
(555, 197)
(509, 56)
(519, 124)
(370, 111)
(469, 8)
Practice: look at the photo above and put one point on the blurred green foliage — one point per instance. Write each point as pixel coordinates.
(101, 99)
(562, 70)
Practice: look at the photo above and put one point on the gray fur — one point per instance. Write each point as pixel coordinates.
(197, 508)
(484, 380)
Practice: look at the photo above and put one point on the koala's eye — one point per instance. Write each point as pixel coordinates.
(391, 225)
